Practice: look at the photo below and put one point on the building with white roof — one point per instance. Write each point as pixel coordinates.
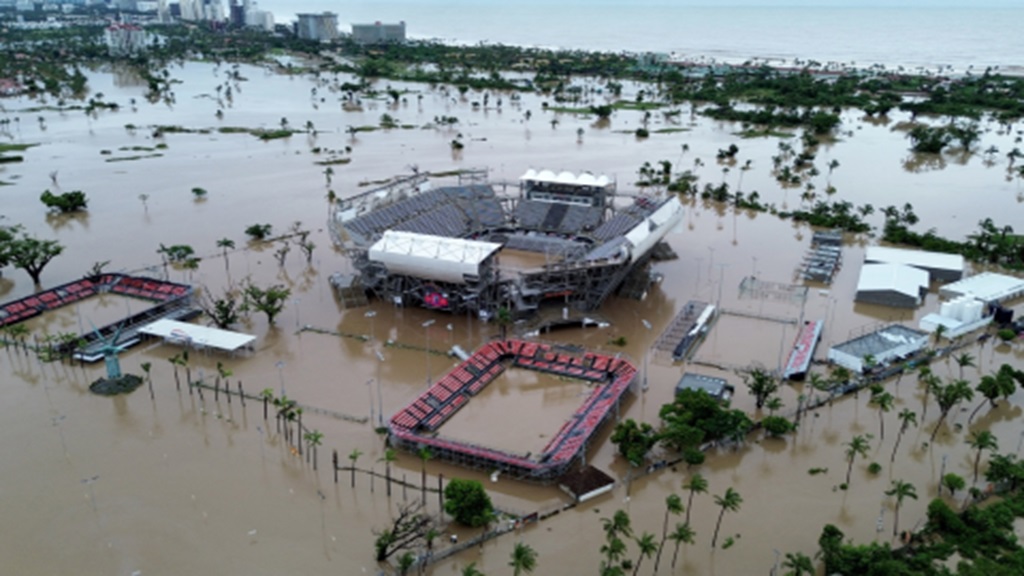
(944, 267)
(438, 258)
(989, 287)
(892, 285)
(880, 347)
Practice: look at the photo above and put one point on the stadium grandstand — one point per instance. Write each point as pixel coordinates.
(416, 426)
(564, 238)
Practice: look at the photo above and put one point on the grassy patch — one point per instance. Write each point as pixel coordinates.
(333, 161)
(131, 158)
(356, 129)
(670, 130)
(763, 133)
(568, 110)
(15, 147)
(630, 105)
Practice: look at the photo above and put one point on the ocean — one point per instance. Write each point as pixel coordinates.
(931, 36)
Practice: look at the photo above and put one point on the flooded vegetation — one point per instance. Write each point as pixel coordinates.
(190, 478)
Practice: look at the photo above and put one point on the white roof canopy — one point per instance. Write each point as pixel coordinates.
(918, 258)
(892, 277)
(431, 257)
(565, 177)
(198, 336)
(987, 286)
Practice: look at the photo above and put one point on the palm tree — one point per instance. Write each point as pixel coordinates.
(981, 441)
(900, 490)
(524, 559)
(673, 505)
(949, 396)
(618, 525)
(471, 570)
(405, 561)
(504, 319)
(424, 454)
(353, 456)
(964, 360)
(225, 244)
(613, 551)
(174, 360)
(992, 386)
(884, 401)
(858, 446)
(647, 549)
(313, 438)
(146, 367)
(730, 501)
(682, 533)
(389, 456)
(696, 484)
(907, 418)
(798, 564)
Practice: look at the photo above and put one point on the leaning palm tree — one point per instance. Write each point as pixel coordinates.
(682, 534)
(647, 547)
(858, 446)
(225, 244)
(900, 490)
(424, 454)
(798, 564)
(696, 484)
(730, 501)
(948, 397)
(907, 418)
(353, 456)
(929, 382)
(471, 570)
(524, 559)
(673, 505)
(981, 441)
(962, 361)
(618, 525)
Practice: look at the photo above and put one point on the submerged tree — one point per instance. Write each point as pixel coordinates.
(730, 501)
(858, 446)
(907, 418)
(26, 252)
(406, 531)
(900, 490)
(981, 441)
(270, 300)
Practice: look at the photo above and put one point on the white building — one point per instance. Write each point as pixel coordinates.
(989, 287)
(881, 347)
(940, 266)
(319, 27)
(892, 285)
(378, 33)
(125, 39)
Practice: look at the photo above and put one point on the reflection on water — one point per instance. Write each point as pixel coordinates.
(184, 483)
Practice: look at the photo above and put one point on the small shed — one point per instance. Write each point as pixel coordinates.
(586, 483)
(944, 267)
(894, 285)
(717, 388)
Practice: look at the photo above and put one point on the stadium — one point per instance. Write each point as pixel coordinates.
(564, 239)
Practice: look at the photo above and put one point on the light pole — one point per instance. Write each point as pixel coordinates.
(280, 374)
(380, 399)
(371, 314)
(426, 329)
(369, 390)
(647, 325)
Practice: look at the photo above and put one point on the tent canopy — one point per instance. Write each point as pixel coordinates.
(196, 335)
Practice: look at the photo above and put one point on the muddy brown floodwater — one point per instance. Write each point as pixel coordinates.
(182, 484)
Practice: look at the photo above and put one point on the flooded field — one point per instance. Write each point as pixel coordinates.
(183, 483)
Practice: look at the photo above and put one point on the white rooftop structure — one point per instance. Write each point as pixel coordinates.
(939, 265)
(892, 279)
(431, 257)
(197, 336)
(988, 287)
(565, 177)
(652, 229)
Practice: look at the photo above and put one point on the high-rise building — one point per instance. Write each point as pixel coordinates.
(320, 27)
(378, 33)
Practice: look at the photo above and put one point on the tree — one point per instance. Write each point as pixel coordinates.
(761, 385)
(858, 446)
(313, 439)
(730, 501)
(471, 570)
(27, 252)
(682, 534)
(405, 562)
(353, 456)
(225, 244)
(949, 396)
(981, 441)
(884, 401)
(269, 300)
(407, 529)
(647, 549)
(66, 202)
(900, 490)
(504, 319)
(524, 559)
(777, 426)
(634, 440)
(467, 502)
(259, 231)
(953, 482)
(673, 505)
(696, 484)
(614, 549)
(907, 418)
(798, 564)
(962, 361)
(389, 456)
(424, 454)
(992, 386)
